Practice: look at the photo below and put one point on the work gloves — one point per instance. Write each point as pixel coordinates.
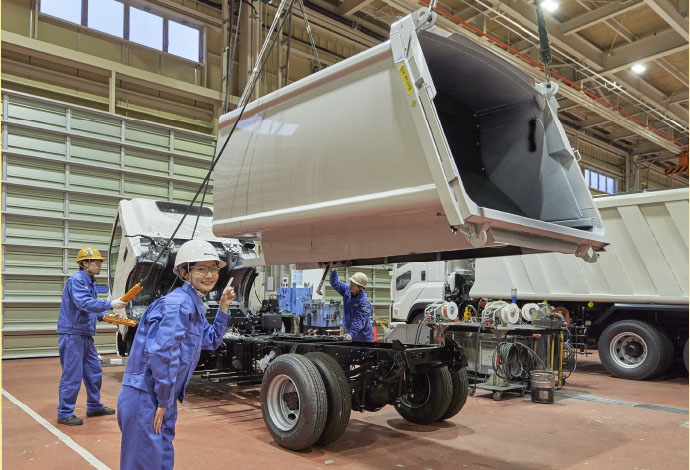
(117, 303)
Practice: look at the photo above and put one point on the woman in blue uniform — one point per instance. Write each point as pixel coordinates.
(165, 352)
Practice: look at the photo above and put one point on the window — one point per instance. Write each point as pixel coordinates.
(118, 18)
(145, 28)
(107, 16)
(69, 10)
(183, 41)
(600, 182)
(403, 280)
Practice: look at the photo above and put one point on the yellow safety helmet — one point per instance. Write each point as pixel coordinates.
(88, 253)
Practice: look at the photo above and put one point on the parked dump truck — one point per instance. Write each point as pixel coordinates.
(633, 301)
(419, 147)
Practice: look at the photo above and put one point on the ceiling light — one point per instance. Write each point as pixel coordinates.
(549, 5)
(639, 68)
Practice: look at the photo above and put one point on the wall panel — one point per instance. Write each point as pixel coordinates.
(65, 168)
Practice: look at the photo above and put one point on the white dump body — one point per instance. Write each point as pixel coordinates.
(646, 262)
(426, 145)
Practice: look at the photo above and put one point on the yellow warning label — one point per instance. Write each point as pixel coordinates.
(406, 79)
(413, 104)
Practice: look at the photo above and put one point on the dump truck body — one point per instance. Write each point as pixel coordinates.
(647, 261)
(424, 147)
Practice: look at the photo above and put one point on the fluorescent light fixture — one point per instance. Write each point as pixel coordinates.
(549, 5)
(639, 68)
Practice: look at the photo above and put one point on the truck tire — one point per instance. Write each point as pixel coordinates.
(294, 404)
(430, 397)
(668, 351)
(631, 349)
(338, 393)
(685, 355)
(459, 397)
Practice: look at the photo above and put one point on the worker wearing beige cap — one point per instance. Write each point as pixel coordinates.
(356, 306)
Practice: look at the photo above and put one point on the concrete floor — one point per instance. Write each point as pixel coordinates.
(222, 427)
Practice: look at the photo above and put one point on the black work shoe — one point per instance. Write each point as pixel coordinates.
(103, 412)
(71, 421)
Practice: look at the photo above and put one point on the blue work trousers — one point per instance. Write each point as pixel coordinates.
(79, 361)
(142, 448)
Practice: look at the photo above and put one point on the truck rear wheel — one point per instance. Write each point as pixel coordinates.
(338, 393)
(459, 396)
(631, 349)
(429, 397)
(294, 403)
(668, 351)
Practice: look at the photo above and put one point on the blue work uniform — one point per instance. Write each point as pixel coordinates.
(79, 311)
(356, 311)
(169, 339)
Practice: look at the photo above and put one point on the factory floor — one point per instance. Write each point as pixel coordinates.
(593, 424)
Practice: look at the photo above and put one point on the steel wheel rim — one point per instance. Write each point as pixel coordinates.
(411, 404)
(621, 356)
(279, 410)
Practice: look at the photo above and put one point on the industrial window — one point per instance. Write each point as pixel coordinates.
(603, 183)
(403, 280)
(183, 41)
(69, 10)
(118, 18)
(146, 28)
(107, 16)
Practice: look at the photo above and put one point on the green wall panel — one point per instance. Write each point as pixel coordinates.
(49, 212)
(33, 231)
(31, 202)
(33, 259)
(22, 140)
(92, 180)
(35, 172)
(105, 155)
(94, 125)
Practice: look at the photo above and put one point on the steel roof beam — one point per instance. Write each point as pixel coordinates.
(598, 15)
(652, 47)
(670, 15)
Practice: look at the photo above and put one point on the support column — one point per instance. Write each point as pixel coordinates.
(249, 30)
(111, 92)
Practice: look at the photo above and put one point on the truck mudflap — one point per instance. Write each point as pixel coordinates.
(425, 147)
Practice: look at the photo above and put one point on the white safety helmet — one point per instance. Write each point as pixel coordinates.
(360, 279)
(195, 251)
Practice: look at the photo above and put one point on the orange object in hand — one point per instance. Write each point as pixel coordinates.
(119, 321)
(132, 292)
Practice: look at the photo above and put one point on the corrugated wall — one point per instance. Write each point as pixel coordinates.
(64, 170)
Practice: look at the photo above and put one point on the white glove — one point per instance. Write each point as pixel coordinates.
(117, 303)
(347, 337)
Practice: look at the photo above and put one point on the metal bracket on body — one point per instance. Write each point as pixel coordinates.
(587, 253)
(477, 235)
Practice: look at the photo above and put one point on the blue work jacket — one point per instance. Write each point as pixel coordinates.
(356, 311)
(80, 309)
(169, 339)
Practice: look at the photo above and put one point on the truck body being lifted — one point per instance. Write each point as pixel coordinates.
(425, 146)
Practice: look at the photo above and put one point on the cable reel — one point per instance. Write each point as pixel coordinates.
(529, 312)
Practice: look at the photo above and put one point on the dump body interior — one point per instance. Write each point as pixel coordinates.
(496, 125)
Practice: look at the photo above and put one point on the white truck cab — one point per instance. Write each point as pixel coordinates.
(416, 285)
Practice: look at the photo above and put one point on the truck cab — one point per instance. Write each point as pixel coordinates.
(417, 285)
(137, 249)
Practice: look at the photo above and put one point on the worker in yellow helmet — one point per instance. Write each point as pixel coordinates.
(79, 311)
